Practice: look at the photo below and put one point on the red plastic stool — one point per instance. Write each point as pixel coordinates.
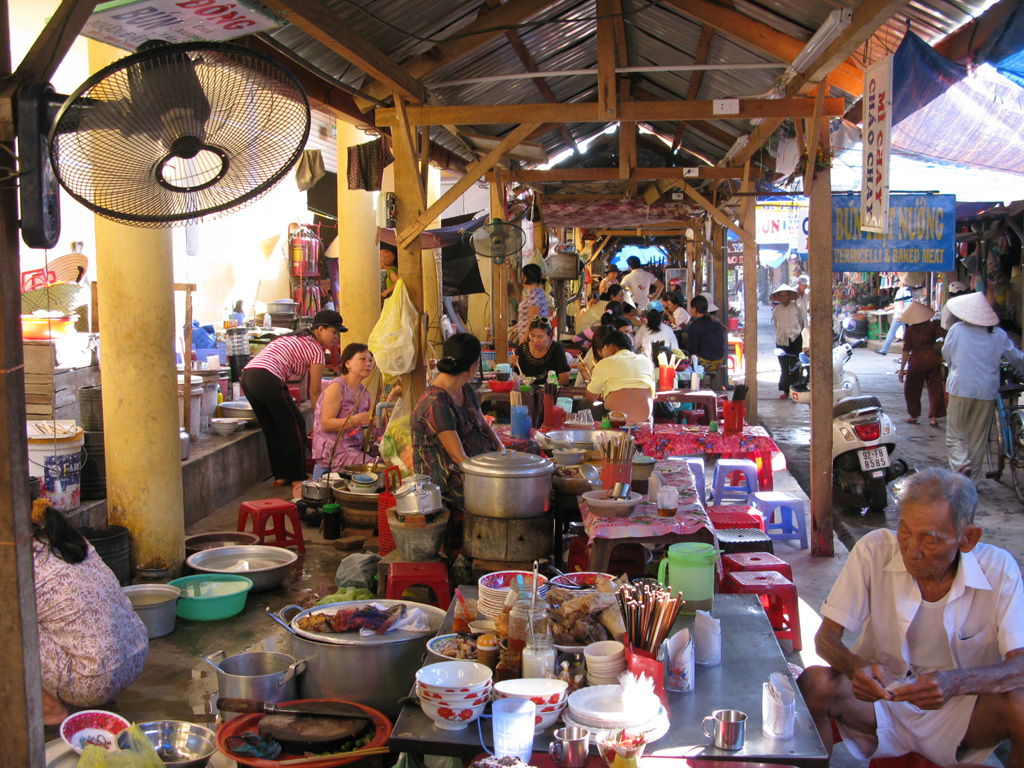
(778, 596)
(274, 511)
(756, 561)
(735, 516)
(401, 576)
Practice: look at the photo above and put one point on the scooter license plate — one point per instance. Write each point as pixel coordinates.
(873, 458)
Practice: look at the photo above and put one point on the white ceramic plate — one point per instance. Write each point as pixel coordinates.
(602, 705)
(653, 729)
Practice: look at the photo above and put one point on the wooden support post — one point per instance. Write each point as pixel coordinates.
(499, 282)
(410, 203)
(820, 265)
(748, 224)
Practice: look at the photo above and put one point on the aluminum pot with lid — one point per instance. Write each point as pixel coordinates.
(417, 495)
(507, 484)
(316, 490)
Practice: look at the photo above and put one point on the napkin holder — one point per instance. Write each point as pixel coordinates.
(641, 662)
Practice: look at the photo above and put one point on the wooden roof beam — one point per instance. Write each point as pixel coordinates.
(607, 82)
(739, 26)
(717, 214)
(485, 28)
(317, 21)
(589, 112)
(556, 175)
(696, 78)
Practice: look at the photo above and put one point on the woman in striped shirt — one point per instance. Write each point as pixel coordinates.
(265, 384)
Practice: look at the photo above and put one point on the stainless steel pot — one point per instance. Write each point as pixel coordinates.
(263, 676)
(418, 495)
(316, 490)
(507, 484)
(377, 671)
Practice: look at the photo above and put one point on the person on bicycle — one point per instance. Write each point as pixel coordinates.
(973, 350)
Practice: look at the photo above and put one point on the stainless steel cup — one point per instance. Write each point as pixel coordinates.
(726, 728)
(570, 747)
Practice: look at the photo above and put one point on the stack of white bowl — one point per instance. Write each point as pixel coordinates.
(550, 696)
(493, 587)
(453, 693)
(602, 707)
(606, 660)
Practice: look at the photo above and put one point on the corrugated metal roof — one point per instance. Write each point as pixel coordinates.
(563, 36)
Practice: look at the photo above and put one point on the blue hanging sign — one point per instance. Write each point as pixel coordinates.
(921, 238)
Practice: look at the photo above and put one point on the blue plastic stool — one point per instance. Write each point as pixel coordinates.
(792, 522)
(696, 465)
(723, 492)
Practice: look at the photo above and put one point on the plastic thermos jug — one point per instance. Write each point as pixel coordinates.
(689, 570)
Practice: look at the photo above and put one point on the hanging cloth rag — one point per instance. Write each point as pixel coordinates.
(310, 169)
(366, 164)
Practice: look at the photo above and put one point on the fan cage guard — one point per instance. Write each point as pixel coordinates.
(120, 143)
(512, 237)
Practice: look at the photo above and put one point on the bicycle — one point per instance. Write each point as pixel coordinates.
(1006, 434)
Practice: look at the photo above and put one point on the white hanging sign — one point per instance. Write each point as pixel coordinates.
(877, 101)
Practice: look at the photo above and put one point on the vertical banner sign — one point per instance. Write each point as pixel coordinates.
(877, 101)
(921, 233)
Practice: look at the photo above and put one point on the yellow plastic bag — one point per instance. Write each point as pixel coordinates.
(393, 339)
(140, 753)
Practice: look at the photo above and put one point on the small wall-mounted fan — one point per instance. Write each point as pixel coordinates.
(498, 240)
(167, 135)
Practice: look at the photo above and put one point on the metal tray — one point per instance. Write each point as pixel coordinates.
(291, 622)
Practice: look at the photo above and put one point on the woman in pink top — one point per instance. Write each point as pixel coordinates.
(265, 384)
(343, 412)
(92, 644)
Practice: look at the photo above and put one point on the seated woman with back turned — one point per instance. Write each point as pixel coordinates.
(622, 379)
(92, 644)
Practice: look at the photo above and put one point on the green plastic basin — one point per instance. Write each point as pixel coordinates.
(211, 596)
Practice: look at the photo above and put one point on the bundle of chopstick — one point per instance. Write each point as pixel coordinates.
(515, 397)
(649, 613)
(617, 447)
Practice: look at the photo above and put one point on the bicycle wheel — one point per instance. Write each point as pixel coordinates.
(1017, 453)
(995, 459)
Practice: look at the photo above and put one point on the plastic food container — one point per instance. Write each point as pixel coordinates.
(211, 596)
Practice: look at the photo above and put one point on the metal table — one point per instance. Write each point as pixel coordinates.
(749, 653)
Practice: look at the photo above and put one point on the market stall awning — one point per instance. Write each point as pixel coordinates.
(945, 111)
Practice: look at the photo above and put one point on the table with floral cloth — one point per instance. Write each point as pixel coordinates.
(663, 440)
(644, 525)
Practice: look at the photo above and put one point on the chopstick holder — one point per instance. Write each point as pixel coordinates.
(642, 663)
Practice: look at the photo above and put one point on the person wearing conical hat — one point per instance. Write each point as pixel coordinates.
(789, 321)
(973, 350)
(921, 363)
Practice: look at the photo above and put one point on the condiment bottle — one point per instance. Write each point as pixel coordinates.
(509, 665)
(539, 656)
(487, 650)
(519, 622)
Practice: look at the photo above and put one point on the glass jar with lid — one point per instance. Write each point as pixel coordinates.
(520, 621)
(539, 656)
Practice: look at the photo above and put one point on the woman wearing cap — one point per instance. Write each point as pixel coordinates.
(343, 411)
(540, 353)
(534, 302)
(956, 288)
(265, 384)
(447, 425)
(921, 363)
(789, 322)
(973, 350)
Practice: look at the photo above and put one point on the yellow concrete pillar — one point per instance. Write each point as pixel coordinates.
(358, 257)
(135, 273)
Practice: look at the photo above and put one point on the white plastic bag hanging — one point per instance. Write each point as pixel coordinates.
(393, 339)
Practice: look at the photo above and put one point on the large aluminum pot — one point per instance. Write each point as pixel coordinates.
(507, 484)
(316, 490)
(261, 675)
(418, 495)
(377, 671)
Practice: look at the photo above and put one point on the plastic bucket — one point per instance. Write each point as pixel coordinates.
(57, 462)
(114, 545)
(734, 413)
(155, 604)
(689, 570)
(195, 410)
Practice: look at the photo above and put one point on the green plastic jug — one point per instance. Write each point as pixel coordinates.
(689, 570)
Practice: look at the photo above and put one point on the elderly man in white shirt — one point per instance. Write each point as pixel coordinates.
(973, 350)
(938, 667)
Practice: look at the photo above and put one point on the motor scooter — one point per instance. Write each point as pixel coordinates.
(863, 437)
